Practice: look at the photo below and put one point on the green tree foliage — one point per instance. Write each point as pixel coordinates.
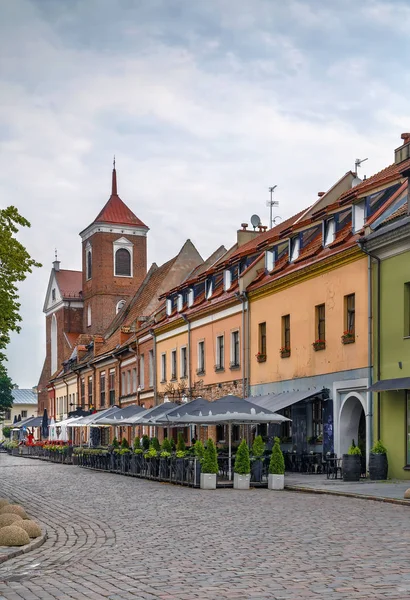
(137, 443)
(277, 462)
(115, 443)
(210, 461)
(124, 444)
(145, 442)
(155, 444)
(6, 385)
(15, 264)
(258, 446)
(180, 442)
(166, 445)
(7, 432)
(242, 462)
(199, 450)
(378, 447)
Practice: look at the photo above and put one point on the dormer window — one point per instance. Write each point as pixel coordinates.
(269, 260)
(359, 215)
(294, 248)
(169, 306)
(190, 297)
(227, 279)
(209, 288)
(329, 232)
(180, 302)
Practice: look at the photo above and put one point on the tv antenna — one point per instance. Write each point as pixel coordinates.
(271, 203)
(358, 163)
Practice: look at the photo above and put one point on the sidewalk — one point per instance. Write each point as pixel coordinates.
(391, 490)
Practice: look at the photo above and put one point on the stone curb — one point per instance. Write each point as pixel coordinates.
(36, 543)
(296, 488)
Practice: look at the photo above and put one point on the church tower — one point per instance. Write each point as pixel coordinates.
(114, 259)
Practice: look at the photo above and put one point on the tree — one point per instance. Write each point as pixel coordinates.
(6, 398)
(210, 461)
(15, 264)
(277, 462)
(242, 462)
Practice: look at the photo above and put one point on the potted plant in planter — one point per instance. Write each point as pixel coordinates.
(242, 468)
(378, 464)
(284, 352)
(319, 345)
(276, 478)
(352, 463)
(258, 448)
(348, 337)
(260, 357)
(209, 466)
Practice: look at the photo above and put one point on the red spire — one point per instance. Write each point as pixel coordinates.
(114, 180)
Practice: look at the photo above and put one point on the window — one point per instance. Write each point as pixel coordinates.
(262, 339)
(112, 387)
(184, 370)
(89, 315)
(294, 248)
(180, 302)
(329, 232)
(163, 367)
(286, 427)
(235, 349)
(123, 262)
(201, 358)
(151, 368)
(82, 392)
(350, 318)
(220, 358)
(320, 322)
(53, 294)
(134, 380)
(317, 424)
(120, 305)
(190, 297)
(169, 306)
(173, 364)
(129, 381)
(123, 383)
(227, 279)
(142, 371)
(209, 288)
(269, 260)
(286, 333)
(89, 267)
(24, 414)
(358, 216)
(53, 344)
(102, 389)
(90, 391)
(7, 415)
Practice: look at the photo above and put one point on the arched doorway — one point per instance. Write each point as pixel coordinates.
(352, 425)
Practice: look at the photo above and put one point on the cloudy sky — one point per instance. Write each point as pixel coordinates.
(205, 103)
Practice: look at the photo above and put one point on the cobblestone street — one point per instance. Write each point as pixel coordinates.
(115, 537)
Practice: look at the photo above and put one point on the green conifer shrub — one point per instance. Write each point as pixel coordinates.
(242, 462)
(277, 462)
(210, 461)
(258, 447)
(180, 442)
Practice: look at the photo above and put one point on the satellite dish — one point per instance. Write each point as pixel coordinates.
(256, 221)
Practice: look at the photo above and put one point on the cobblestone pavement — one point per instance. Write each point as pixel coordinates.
(114, 537)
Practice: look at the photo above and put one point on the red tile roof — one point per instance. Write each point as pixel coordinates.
(389, 174)
(116, 211)
(70, 283)
(400, 212)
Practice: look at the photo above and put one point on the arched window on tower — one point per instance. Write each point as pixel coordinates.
(53, 344)
(123, 262)
(120, 305)
(89, 266)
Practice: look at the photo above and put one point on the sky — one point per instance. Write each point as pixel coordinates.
(205, 104)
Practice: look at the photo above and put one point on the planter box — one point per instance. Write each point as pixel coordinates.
(378, 466)
(241, 482)
(352, 466)
(256, 470)
(276, 482)
(208, 481)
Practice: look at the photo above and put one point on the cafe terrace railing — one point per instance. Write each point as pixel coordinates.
(62, 455)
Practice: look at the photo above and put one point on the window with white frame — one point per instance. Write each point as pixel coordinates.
(294, 248)
(123, 383)
(227, 279)
(190, 297)
(184, 366)
(359, 215)
(134, 380)
(163, 367)
(220, 353)
(142, 371)
(173, 364)
(123, 255)
(235, 350)
(329, 232)
(180, 302)
(269, 260)
(169, 306)
(129, 381)
(23, 414)
(201, 358)
(150, 368)
(89, 315)
(209, 288)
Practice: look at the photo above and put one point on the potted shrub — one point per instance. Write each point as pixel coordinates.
(155, 444)
(242, 468)
(319, 345)
(352, 463)
(166, 446)
(378, 464)
(145, 442)
(209, 467)
(258, 448)
(181, 442)
(199, 452)
(276, 477)
(137, 443)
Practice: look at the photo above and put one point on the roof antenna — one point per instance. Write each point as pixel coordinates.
(114, 179)
(358, 163)
(271, 203)
(55, 254)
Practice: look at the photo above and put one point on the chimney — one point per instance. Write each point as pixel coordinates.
(98, 342)
(125, 334)
(244, 235)
(81, 352)
(56, 265)
(402, 153)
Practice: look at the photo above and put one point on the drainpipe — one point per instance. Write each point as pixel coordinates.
(378, 324)
(154, 360)
(188, 322)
